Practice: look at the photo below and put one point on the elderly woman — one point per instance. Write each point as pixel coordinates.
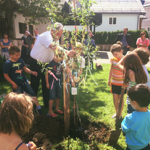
(5, 43)
(142, 41)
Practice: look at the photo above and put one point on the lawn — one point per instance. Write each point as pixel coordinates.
(95, 106)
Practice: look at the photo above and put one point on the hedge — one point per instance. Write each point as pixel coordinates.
(109, 37)
(2, 61)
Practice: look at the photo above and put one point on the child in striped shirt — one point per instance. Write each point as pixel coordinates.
(115, 75)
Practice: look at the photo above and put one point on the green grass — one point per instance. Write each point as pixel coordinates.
(95, 103)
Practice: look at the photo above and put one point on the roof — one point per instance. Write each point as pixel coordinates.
(147, 3)
(118, 6)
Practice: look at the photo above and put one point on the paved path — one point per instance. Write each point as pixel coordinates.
(106, 56)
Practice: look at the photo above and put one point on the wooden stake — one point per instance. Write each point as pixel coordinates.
(74, 107)
(66, 104)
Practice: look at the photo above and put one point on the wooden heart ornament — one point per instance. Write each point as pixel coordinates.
(76, 79)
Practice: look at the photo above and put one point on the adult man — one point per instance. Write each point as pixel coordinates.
(36, 32)
(125, 39)
(43, 50)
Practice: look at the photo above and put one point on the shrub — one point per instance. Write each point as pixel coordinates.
(2, 61)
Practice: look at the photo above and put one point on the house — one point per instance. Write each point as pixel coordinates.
(146, 22)
(110, 15)
(117, 14)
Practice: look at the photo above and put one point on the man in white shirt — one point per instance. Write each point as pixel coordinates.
(43, 51)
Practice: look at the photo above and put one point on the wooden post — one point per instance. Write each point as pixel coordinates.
(66, 94)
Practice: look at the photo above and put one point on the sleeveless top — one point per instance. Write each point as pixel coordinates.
(117, 75)
(20, 145)
(5, 44)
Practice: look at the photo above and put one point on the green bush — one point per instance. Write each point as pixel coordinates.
(109, 37)
(2, 61)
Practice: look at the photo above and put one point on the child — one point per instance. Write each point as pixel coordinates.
(144, 56)
(14, 73)
(115, 75)
(131, 65)
(53, 83)
(16, 117)
(137, 124)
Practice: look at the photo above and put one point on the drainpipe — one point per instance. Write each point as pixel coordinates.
(138, 22)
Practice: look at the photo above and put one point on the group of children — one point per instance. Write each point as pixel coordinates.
(18, 107)
(129, 71)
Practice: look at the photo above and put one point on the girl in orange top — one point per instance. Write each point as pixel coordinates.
(115, 75)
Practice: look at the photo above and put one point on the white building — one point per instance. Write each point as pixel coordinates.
(146, 22)
(116, 14)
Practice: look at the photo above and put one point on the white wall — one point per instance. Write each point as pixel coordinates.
(17, 19)
(123, 20)
(42, 27)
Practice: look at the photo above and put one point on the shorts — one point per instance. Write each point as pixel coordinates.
(55, 90)
(115, 89)
(145, 148)
(25, 87)
(5, 54)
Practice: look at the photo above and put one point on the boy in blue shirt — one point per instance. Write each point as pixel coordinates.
(137, 124)
(14, 73)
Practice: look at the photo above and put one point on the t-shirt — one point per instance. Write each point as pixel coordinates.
(41, 50)
(147, 74)
(56, 69)
(15, 70)
(5, 44)
(137, 128)
(140, 41)
(124, 42)
(131, 84)
(117, 75)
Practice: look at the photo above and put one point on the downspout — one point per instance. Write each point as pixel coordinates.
(138, 22)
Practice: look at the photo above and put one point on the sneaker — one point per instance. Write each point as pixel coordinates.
(113, 116)
(53, 115)
(40, 112)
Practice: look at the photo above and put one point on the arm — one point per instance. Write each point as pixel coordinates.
(147, 42)
(110, 75)
(14, 85)
(127, 123)
(29, 71)
(24, 44)
(4, 46)
(81, 69)
(120, 65)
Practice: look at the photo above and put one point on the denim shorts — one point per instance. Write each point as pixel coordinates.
(25, 87)
(55, 90)
(130, 109)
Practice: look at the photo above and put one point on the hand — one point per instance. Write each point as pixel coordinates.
(33, 146)
(73, 84)
(109, 84)
(14, 86)
(128, 46)
(27, 46)
(47, 85)
(34, 73)
(71, 53)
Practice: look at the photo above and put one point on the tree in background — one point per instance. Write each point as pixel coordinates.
(34, 11)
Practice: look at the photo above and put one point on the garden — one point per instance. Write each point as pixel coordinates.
(95, 104)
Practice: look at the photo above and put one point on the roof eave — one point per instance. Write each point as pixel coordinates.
(140, 13)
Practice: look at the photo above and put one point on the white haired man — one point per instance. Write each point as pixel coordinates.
(43, 51)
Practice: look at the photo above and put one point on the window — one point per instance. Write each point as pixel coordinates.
(142, 28)
(22, 27)
(149, 29)
(31, 29)
(112, 20)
